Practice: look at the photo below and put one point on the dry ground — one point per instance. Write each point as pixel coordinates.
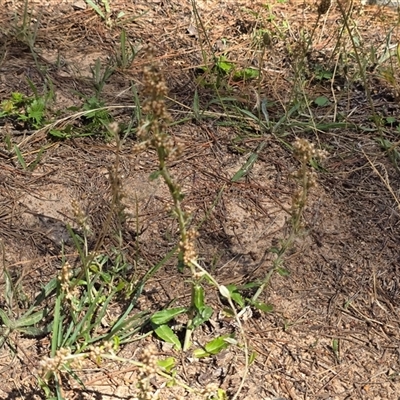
(344, 285)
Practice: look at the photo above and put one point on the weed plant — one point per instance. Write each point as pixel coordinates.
(153, 133)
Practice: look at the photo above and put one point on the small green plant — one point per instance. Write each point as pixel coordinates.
(199, 313)
(28, 110)
(94, 115)
(97, 114)
(26, 322)
(224, 69)
(215, 346)
(126, 53)
(26, 32)
(100, 76)
(153, 134)
(102, 9)
(241, 295)
(80, 327)
(97, 117)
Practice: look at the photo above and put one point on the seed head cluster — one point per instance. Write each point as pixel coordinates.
(153, 129)
(64, 359)
(154, 90)
(304, 151)
(70, 291)
(147, 372)
(187, 247)
(80, 217)
(97, 352)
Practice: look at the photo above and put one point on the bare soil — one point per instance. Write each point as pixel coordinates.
(344, 282)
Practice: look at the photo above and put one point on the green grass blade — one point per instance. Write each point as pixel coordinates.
(9, 288)
(44, 294)
(96, 8)
(196, 105)
(106, 6)
(6, 320)
(245, 168)
(38, 158)
(19, 156)
(56, 337)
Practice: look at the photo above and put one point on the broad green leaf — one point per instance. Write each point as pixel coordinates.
(247, 73)
(213, 347)
(36, 111)
(238, 299)
(235, 295)
(167, 364)
(200, 353)
(230, 340)
(224, 66)
(6, 321)
(263, 306)
(30, 319)
(206, 312)
(164, 316)
(17, 98)
(322, 101)
(217, 345)
(165, 333)
(198, 296)
(202, 316)
(8, 107)
(31, 331)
